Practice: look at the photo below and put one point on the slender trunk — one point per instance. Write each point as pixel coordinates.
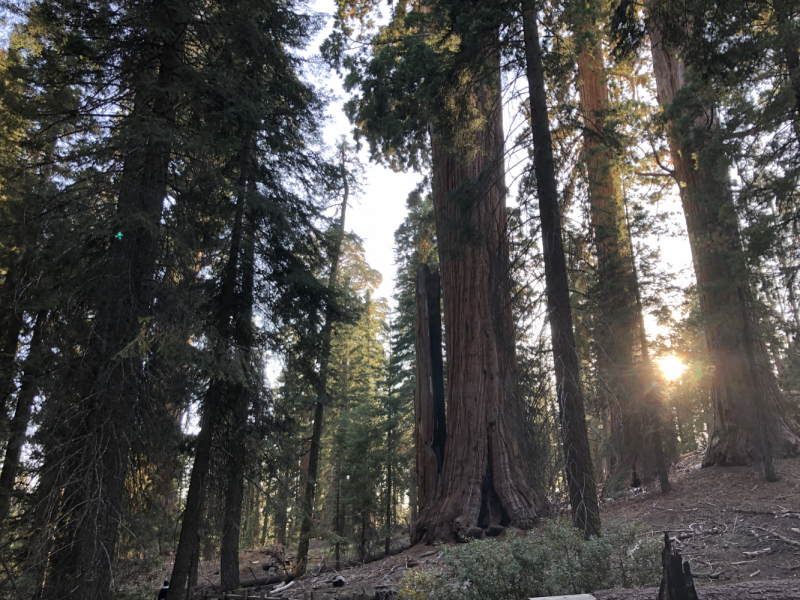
(239, 399)
(652, 391)
(362, 546)
(614, 336)
(215, 406)
(322, 388)
(265, 513)
(429, 405)
(388, 492)
(11, 327)
(31, 371)
(188, 551)
(750, 419)
(234, 492)
(337, 519)
(575, 440)
(281, 509)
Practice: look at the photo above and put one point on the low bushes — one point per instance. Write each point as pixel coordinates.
(551, 561)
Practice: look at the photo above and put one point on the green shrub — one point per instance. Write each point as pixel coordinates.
(555, 560)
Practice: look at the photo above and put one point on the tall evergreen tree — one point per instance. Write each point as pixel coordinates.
(750, 416)
(575, 442)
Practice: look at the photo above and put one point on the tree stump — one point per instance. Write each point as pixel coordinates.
(677, 582)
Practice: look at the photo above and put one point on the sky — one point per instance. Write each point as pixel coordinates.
(376, 212)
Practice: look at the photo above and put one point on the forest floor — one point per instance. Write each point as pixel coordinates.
(740, 534)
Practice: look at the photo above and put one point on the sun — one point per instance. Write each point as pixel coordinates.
(671, 367)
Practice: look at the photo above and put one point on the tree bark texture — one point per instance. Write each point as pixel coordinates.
(429, 405)
(574, 436)
(750, 419)
(96, 419)
(307, 507)
(483, 480)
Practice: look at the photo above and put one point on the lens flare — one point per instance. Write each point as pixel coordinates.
(671, 367)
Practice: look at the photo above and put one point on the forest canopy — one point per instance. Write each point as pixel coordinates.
(194, 358)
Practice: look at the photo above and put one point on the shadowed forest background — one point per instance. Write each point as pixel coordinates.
(193, 361)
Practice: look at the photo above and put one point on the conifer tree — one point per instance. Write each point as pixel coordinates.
(577, 457)
(750, 417)
(630, 394)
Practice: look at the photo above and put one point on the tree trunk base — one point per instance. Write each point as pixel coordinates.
(736, 448)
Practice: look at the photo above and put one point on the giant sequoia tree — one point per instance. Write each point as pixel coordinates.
(627, 385)
(483, 482)
(750, 421)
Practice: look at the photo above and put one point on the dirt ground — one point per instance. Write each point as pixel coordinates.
(731, 525)
(740, 534)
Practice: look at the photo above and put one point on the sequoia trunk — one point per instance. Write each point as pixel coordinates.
(429, 405)
(750, 420)
(482, 482)
(31, 371)
(626, 386)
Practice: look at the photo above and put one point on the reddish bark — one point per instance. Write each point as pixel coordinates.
(632, 399)
(482, 481)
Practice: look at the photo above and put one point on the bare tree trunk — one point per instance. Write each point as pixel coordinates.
(750, 420)
(483, 480)
(388, 541)
(575, 440)
(31, 371)
(322, 388)
(429, 405)
(215, 406)
(265, 512)
(337, 519)
(282, 505)
(188, 551)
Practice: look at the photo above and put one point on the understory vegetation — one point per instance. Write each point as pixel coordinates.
(555, 560)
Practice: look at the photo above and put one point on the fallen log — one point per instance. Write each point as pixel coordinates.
(249, 582)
